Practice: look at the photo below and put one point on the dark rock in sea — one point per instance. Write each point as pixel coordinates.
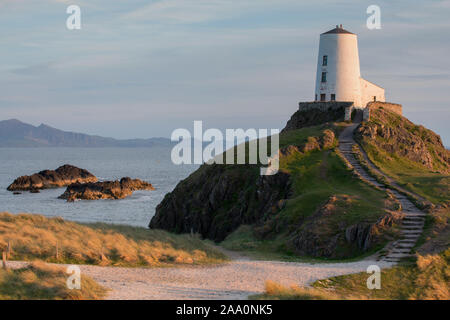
(104, 190)
(17, 192)
(61, 177)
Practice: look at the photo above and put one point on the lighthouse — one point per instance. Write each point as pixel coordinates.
(338, 72)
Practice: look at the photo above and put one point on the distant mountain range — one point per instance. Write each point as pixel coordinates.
(14, 133)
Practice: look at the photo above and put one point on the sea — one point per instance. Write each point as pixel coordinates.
(150, 164)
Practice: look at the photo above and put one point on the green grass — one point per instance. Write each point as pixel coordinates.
(322, 174)
(243, 240)
(37, 237)
(39, 281)
(410, 175)
(300, 136)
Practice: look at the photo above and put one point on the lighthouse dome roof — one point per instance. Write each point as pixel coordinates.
(338, 29)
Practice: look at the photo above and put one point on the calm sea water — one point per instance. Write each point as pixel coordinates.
(149, 164)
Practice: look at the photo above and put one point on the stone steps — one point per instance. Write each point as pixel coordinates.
(412, 224)
(398, 256)
(405, 245)
(414, 220)
(411, 235)
(412, 228)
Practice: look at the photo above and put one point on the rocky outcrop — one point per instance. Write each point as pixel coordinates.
(361, 237)
(392, 107)
(398, 136)
(104, 190)
(366, 235)
(217, 199)
(61, 177)
(316, 113)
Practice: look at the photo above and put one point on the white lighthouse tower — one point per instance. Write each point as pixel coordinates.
(338, 72)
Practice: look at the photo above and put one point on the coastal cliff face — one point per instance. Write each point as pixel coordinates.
(315, 206)
(217, 199)
(61, 177)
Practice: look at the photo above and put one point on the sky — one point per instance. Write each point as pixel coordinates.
(140, 69)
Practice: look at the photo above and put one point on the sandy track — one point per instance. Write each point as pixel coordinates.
(235, 280)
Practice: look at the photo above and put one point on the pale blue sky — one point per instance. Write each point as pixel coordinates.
(143, 68)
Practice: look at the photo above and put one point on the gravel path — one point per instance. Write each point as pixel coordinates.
(234, 280)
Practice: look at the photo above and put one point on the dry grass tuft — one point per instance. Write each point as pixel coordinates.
(276, 291)
(56, 240)
(40, 281)
(433, 280)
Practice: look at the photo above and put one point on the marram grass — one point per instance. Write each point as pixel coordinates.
(55, 240)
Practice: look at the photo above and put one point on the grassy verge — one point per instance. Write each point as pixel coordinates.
(43, 282)
(410, 175)
(427, 279)
(56, 240)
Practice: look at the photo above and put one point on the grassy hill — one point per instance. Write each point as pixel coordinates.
(314, 207)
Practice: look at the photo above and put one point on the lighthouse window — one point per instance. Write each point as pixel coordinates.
(324, 77)
(322, 97)
(325, 61)
(333, 97)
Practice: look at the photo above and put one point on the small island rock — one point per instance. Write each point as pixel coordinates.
(47, 179)
(104, 190)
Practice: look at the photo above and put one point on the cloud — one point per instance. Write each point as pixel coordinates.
(195, 11)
